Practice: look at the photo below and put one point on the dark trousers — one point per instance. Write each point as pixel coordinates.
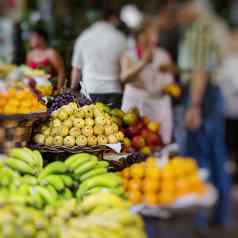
(112, 99)
(207, 145)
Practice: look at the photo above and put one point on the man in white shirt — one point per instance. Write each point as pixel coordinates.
(96, 57)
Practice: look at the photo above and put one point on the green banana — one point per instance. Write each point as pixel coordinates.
(92, 173)
(79, 158)
(30, 179)
(24, 189)
(68, 181)
(20, 166)
(56, 167)
(39, 158)
(67, 194)
(45, 194)
(37, 200)
(54, 180)
(52, 191)
(85, 167)
(105, 180)
(102, 164)
(23, 154)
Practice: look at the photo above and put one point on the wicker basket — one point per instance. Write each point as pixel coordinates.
(15, 130)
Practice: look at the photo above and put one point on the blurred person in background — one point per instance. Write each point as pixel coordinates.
(228, 79)
(200, 131)
(145, 73)
(96, 58)
(41, 56)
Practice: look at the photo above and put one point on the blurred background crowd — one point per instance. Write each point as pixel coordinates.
(126, 52)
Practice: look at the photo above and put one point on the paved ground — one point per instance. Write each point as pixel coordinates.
(183, 226)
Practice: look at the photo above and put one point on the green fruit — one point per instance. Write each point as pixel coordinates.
(102, 164)
(23, 154)
(117, 112)
(20, 166)
(56, 167)
(56, 181)
(30, 179)
(39, 158)
(45, 194)
(85, 167)
(105, 180)
(24, 189)
(82, 157)
(68, 181)
(67, 194)
(52, 191)
(92, 173)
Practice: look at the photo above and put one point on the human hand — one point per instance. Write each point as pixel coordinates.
(193, 118)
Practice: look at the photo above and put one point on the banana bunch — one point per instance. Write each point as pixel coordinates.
(92, 175)
(25, 161)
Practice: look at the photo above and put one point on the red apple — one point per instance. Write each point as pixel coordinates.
(145, 132)
(138, 142)
(152, 140)
(132, 131)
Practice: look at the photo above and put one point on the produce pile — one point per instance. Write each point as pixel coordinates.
(150, 184)
(101, 215)
(141, 134)
(72, 125)
(25, 179)
(19, 101)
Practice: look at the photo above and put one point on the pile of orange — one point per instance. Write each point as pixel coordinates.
(19, 101)
(149, 184)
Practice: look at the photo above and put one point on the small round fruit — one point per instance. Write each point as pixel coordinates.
(80, 114)
(87, 131)
(39, 139)
(108, 130)
(68, 123)
(135, 197)
(126, 173)
(81, 140)
(134, 184)
(88, 111)
(112, 139)
(56, 122)
(92, 140)
(75, 131)
(55, 131)
(68, 109)
(120, 136)
(102, 140)
(69, 141)
(62, 115)
(78, 122)
(46, 132)
(49, 140)
(115, 127)
(64, 131)
(58, 140)
(100, 120)
(151, 199)
(73, 106)
(54, 114)
(98, 129)
(137, 171)
(89, 122)
(150, 185)
(108, 120)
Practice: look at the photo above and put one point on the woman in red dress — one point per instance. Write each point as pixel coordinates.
(42, 57)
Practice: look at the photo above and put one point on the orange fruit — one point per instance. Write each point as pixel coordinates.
(165, 198)
(152, 173)
(11, 92)
(126, 173)
(151, 199)
(137, 171)
(134, 184)
(150, 185)
(135, 197)
(125, 183)
(182, 187)
(168, 186)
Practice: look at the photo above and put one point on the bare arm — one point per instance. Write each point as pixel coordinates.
(129, 71)
(58, 64)
(75, 77)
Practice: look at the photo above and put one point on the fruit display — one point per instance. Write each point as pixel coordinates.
(141, 134)
(25, 178)
(150, 184)
(66, 97)
(71, 125)
(19, 101)
(100, 215)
